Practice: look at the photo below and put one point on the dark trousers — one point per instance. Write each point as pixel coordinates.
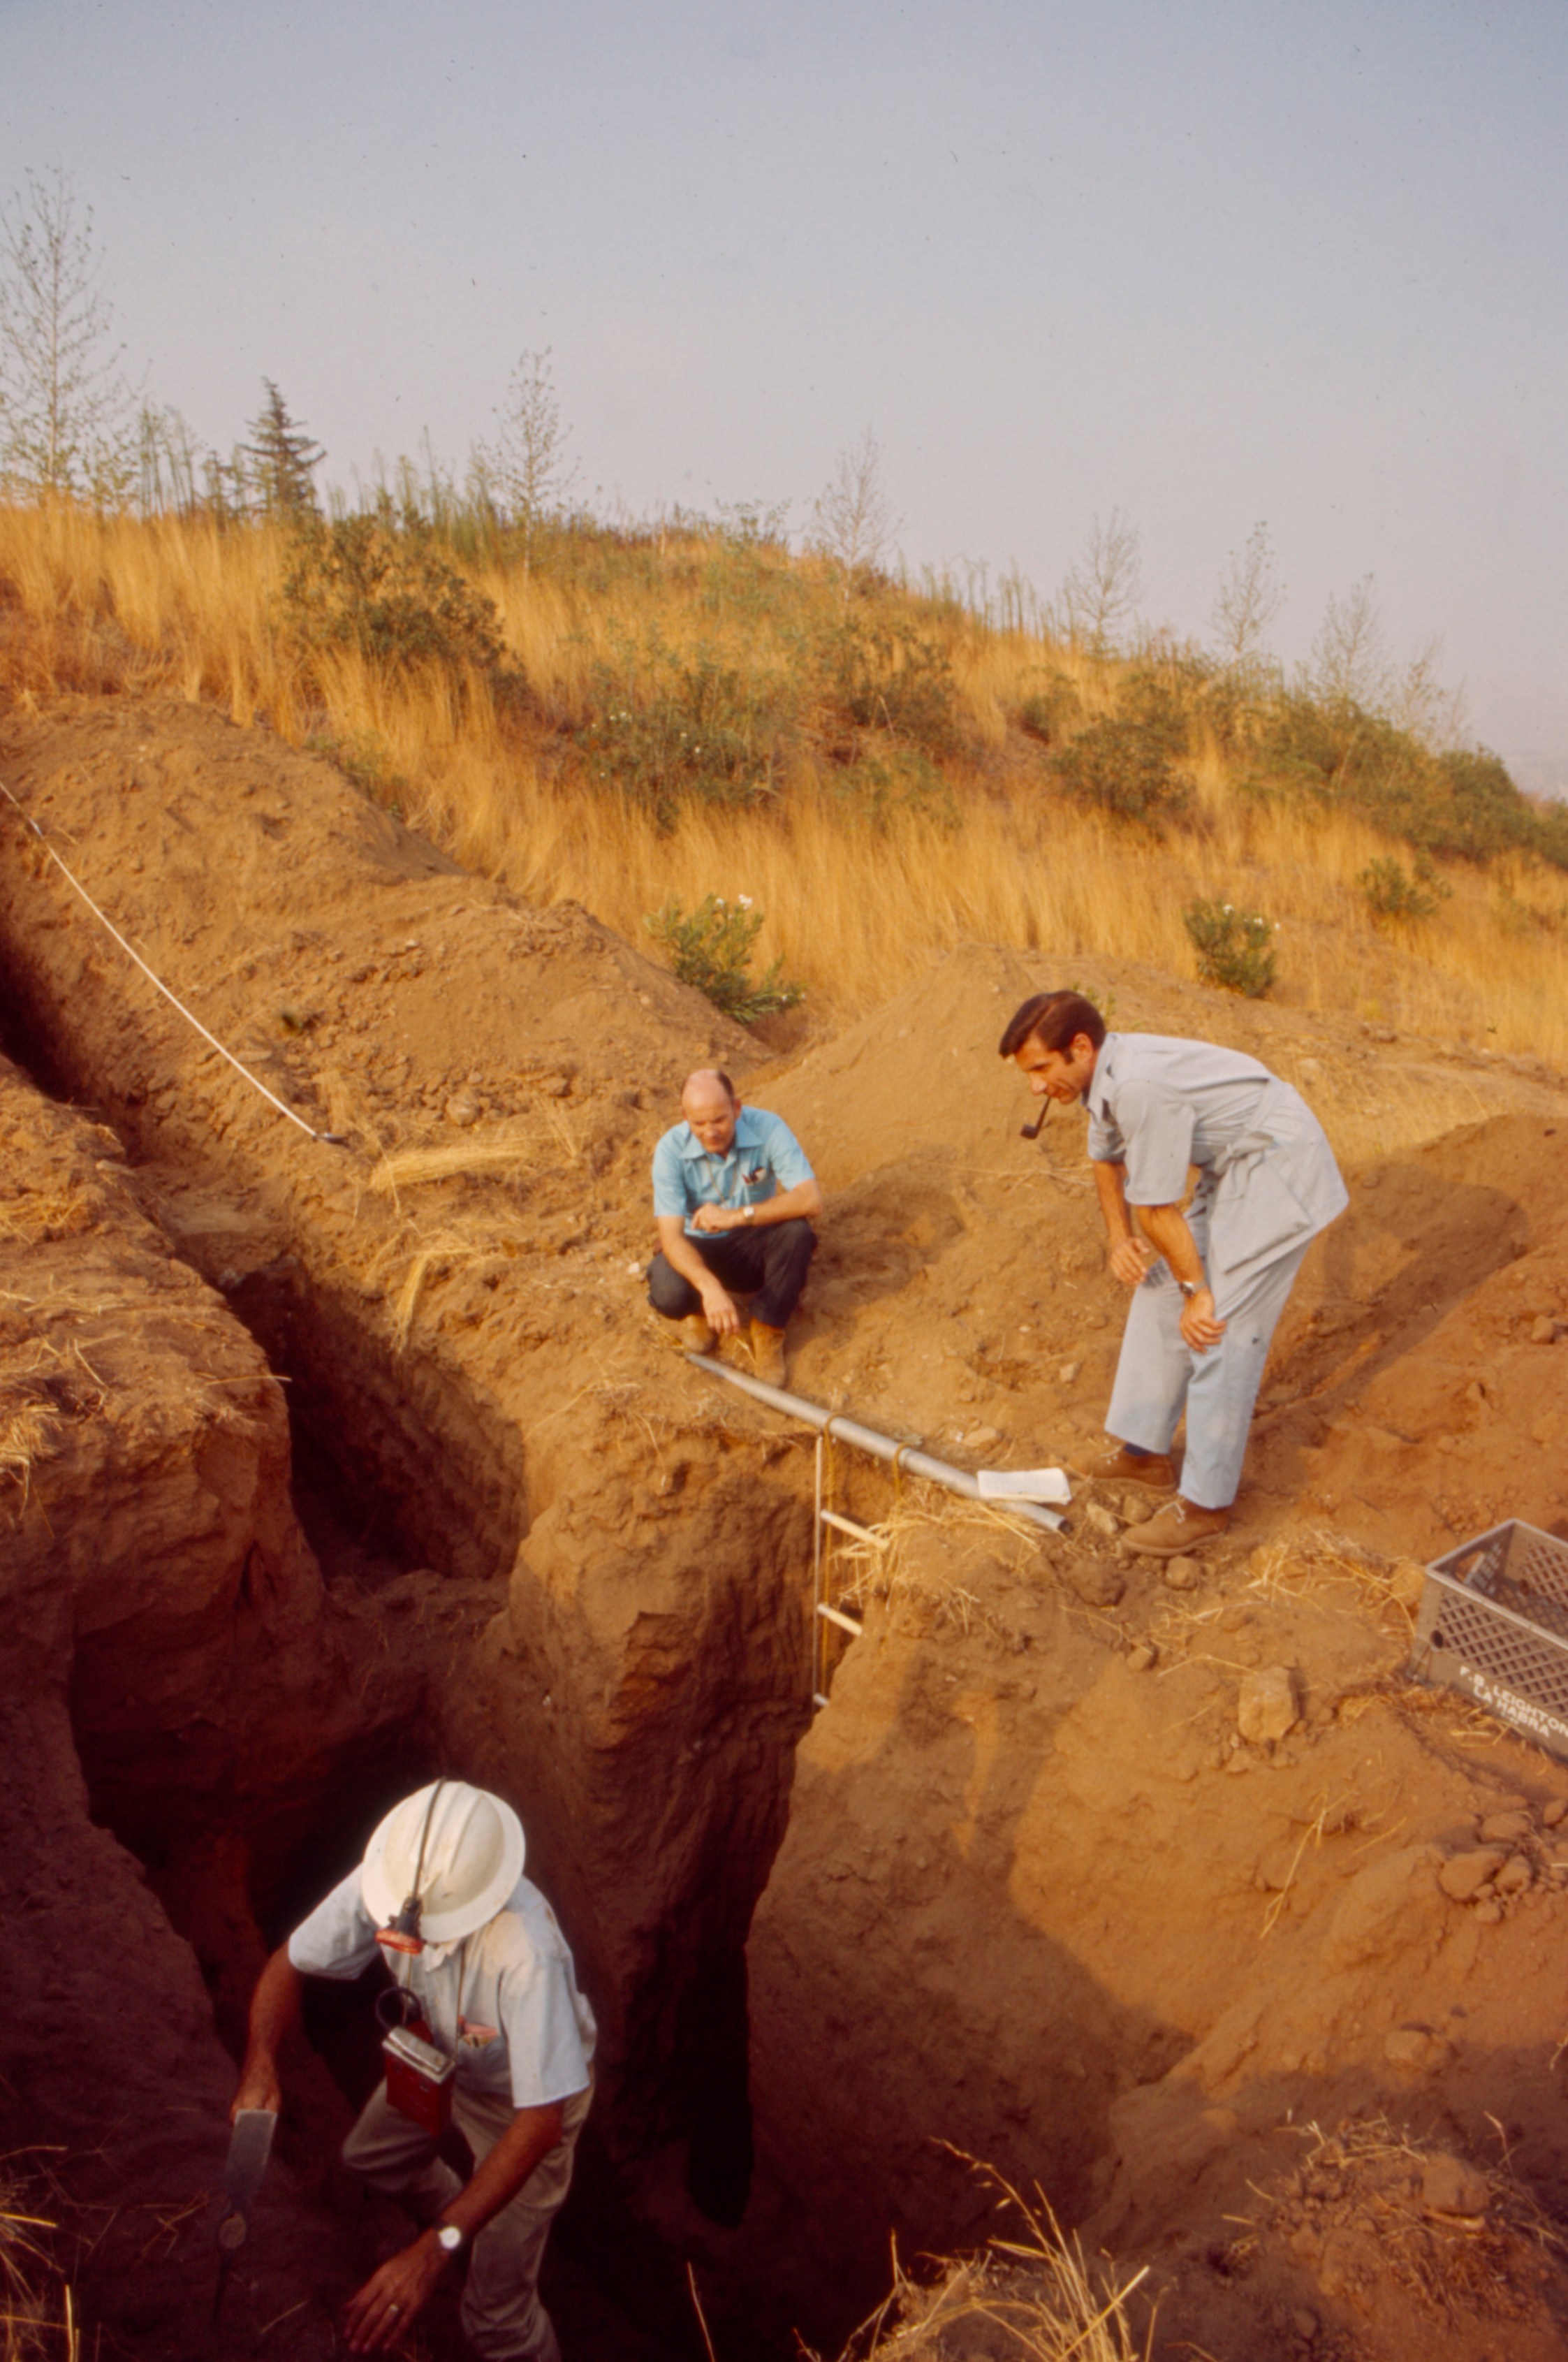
(769, 1263)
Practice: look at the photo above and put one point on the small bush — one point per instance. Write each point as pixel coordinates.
(668, 728)
(887, 675)
(1235, 948)
(711, 946)
(1045, 711)
(369, 583)
(1393, 893)
(1128, 765)
(893, 783)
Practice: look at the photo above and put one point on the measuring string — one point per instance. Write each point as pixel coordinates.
(331, 1139)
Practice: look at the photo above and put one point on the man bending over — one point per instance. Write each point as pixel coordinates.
(734, 1201)
(1209, 1285)
(486, 2029)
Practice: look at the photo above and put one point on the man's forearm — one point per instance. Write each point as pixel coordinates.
(274, 2014)
(1111, 1188)
(800, 1204)
(682, 1256)
(523, 2147)
(1165, 1228)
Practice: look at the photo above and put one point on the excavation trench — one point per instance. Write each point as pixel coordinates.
(1005, 1894)
(244, 1811)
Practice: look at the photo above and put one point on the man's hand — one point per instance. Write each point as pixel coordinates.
(1199, 1327)
(716, 1218)
(720, 1310)
(1129, 1261)
(259, 2086)
(387, 2304)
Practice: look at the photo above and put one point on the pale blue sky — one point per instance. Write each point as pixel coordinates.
(1206, 263)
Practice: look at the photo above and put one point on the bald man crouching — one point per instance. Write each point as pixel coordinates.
(734, 1201)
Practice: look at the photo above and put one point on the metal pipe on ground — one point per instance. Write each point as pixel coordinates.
(865, 1439)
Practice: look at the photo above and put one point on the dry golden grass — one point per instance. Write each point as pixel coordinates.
(34, 1215)
(1036, 2294)
(37, 2315)
(853, 911)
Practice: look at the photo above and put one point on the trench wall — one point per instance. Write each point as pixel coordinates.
(472, 1349)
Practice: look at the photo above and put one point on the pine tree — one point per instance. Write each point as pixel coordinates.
(281, 459)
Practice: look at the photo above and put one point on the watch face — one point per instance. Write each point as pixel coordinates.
(450, 2237)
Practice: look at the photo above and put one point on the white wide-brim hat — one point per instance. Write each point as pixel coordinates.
(473, 1851)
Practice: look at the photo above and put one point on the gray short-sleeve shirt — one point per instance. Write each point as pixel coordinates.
(504, 2004)
(1158, 1104)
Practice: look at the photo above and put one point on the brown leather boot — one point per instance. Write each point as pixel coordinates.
(767, 1353)
(1180, 1525)
(1123, 1467)
(696, 1335)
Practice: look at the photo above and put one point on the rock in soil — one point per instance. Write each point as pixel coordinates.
(1463, 1875)
(1266, 1708)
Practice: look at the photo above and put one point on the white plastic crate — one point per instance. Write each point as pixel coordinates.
(1494, 1623)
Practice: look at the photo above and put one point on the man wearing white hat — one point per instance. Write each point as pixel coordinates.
(485, 2024)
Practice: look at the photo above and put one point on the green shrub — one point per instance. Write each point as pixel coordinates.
(711, 947)
(670, 727)
(1235, 948)
(892, 783)
(1393, 893)
(1129, 764)
(370, 583)
(884, 674)
(1045, 711)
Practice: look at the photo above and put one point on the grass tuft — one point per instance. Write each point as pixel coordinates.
(1037, 2290)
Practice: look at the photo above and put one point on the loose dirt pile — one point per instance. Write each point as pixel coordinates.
(1115, 1879)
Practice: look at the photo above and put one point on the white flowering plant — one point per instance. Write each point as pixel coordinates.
(1236, 948)
(711, 947)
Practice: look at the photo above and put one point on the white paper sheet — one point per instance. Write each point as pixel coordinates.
(1024, 1485)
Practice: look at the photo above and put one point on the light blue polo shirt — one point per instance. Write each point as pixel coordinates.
(764, 1158)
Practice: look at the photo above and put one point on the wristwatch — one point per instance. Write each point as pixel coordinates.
(448, 2238)
(748, 1213)
(1191, 1287)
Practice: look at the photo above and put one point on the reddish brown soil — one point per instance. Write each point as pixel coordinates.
(1037, 1898)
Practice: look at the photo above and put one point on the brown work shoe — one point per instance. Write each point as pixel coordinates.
(1124, 1467)
(1179, 1526)
(696, 1335)
(767, 1353)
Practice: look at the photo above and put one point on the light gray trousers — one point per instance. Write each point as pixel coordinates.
(1158, 1375)
(503, 2318)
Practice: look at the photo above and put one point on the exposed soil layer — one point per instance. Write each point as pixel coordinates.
(460, 1344)
(1040, 1897)
(156, 1590)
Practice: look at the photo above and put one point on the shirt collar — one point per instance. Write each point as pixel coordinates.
(690, 1147)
